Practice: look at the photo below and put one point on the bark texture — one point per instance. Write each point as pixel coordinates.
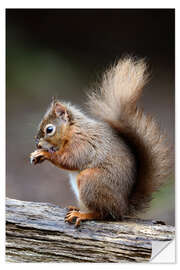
(36, 232)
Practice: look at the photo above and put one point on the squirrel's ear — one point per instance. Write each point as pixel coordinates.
(54, 100)
(60, 110)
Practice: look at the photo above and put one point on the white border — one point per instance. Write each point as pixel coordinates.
(90, 4)
(73, 4)
(2, 137)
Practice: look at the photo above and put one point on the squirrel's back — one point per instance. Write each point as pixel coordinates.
(115, 102)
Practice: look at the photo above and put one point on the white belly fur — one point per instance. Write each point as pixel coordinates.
(73, 182)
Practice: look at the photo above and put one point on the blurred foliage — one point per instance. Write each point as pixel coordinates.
(163, 203)
(166, 191)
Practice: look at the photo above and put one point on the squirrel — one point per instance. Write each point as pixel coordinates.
(117, 157)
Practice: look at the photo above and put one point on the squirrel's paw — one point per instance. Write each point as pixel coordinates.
(38, 156)
(78, 216)
(74, 215)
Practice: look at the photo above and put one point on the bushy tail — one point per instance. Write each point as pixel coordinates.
(115, 103)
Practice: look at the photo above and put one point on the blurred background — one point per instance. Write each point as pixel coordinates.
(62, 52)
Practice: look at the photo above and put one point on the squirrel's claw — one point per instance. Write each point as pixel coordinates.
(79, 216)
(71, 215)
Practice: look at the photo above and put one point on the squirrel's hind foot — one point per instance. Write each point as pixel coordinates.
(79, 216)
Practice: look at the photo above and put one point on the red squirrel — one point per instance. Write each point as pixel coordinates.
(117, 157)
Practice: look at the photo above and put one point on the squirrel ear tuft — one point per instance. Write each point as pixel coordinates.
(60, 110)
(54, 99)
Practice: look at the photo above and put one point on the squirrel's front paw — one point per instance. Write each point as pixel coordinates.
(38, 156)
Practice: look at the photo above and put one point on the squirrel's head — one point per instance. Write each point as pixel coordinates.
(53, 127)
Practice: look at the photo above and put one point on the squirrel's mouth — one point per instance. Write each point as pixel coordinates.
(46, 146)
(53, 149)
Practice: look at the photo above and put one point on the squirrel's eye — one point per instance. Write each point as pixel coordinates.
(50, 129)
